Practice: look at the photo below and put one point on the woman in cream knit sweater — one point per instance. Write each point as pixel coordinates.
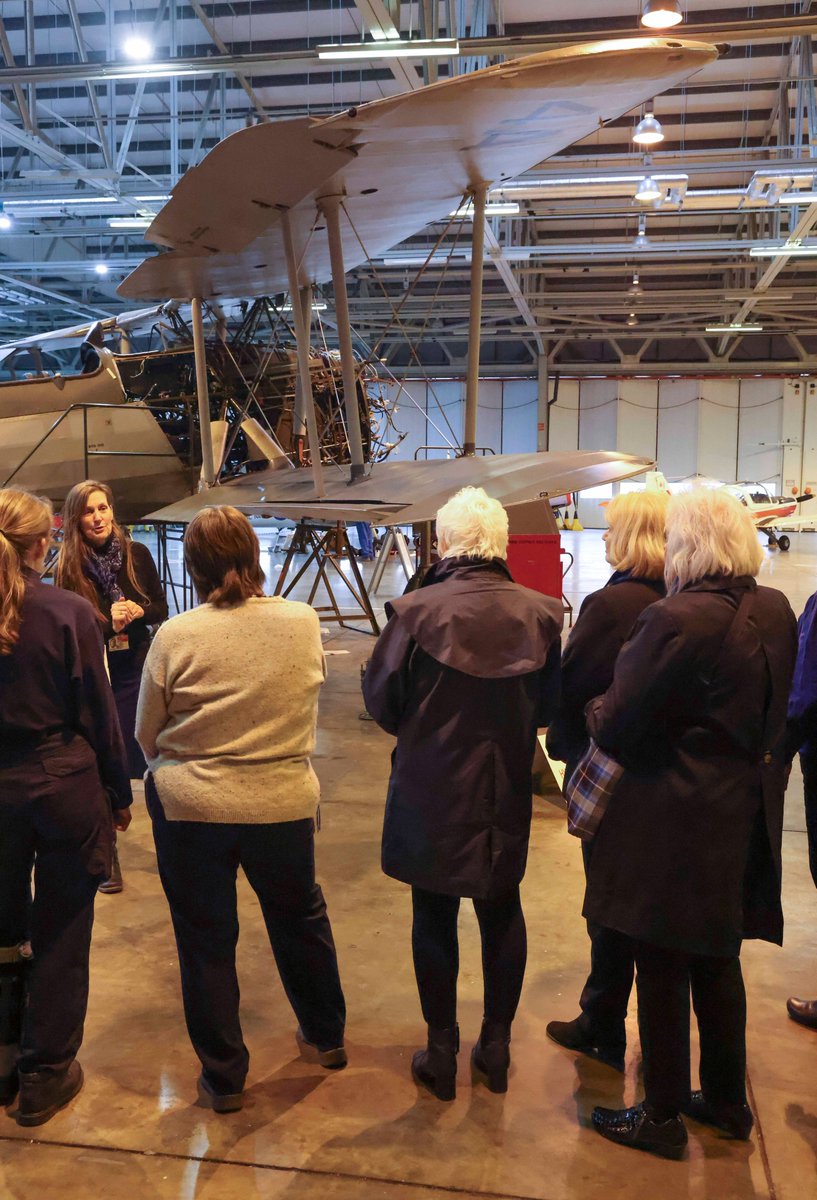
(226, 719)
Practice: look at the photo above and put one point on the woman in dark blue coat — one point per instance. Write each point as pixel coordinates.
(634, 548)
(62, 769)
(464, 673)
(687, 860)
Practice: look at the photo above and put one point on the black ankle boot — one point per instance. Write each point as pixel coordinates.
(435, 1068)
(491, 1057)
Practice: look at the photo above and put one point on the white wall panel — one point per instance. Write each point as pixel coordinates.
(810, 439)
(791, 430)
(448, 395)
(637, 417)
(718, 428)
(410, 418)
(564, 417)
(519, 412)
(489, 414)
(678, 427)
(760, 455)
(598, 412)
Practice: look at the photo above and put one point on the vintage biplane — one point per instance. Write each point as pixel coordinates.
(285, 205)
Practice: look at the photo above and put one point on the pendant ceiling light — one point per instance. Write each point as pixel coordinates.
(661, 14)
(647, 191)
(632, 319)
(648, 131)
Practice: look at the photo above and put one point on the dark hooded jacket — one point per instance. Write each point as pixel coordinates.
(602, 627)
(464, 673)
(688, 855)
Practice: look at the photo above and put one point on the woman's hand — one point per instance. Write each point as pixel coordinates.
(122, 613)
(121, 818)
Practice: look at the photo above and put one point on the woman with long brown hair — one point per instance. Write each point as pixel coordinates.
(60, 753)
(119, 579)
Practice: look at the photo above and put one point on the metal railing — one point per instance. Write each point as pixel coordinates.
(87, 452)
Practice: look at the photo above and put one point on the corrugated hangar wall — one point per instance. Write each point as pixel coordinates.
(762, 429)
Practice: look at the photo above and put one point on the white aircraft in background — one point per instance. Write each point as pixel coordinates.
(768, 512)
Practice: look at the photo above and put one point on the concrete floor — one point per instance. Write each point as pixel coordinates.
(365, 1133)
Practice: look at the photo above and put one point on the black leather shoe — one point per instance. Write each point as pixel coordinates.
(803, 1011)
(334, 1059)
(633, 1127)
(435, 1068)
(491, 1057)
(572, 1036)
(220, 1102)
(734, 1119)
(41, 1095)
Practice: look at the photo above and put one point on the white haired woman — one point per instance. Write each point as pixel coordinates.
(687, 860)
(634, 548)
(464, 673)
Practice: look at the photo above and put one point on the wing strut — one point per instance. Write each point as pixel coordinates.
(469, 441)
(208, 470)
(302, 345)
(330, 207)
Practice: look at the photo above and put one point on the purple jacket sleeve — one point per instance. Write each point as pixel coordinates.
(386, 684)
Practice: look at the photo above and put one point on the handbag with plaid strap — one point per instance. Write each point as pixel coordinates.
(589, 790)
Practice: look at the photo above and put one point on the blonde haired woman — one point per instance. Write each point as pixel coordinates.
(687, 859)
(634, 548)
(60, 752)
(118, 577)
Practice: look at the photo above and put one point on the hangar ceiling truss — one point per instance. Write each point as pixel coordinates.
(582, 275)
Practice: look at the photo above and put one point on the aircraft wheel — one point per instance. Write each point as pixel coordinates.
(783, 542)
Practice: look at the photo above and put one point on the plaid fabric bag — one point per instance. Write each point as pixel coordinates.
(589, 790)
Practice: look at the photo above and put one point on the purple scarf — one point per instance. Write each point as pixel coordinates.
(102, 567)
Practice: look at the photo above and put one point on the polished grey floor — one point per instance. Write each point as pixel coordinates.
(365, 1133)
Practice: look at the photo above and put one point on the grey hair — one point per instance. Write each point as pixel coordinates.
(472, 525)
(709, 532)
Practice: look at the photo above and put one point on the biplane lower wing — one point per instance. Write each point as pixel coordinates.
(398, 163)
(406, 493)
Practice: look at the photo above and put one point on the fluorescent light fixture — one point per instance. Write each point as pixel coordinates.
(734, 328)
(648, 131)
(101, 268)
(137, 48)
(784, 251)
(129, 222)
(647, 191)
(661, 14)
(805, 197)
(413, 48)
(152, 199)
(317, 306)
(61, 201)
(494, 208)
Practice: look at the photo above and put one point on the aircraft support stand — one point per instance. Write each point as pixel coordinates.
(469, 441)
(302, 344)
(208, 469)
(320, 546)
(301, 401)
(330, 207)
(395, 540)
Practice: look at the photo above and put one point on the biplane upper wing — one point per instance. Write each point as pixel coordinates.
(399, 163)
(404, 493)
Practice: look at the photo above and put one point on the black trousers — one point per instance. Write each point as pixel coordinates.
(54, 816)
(125, 667)
(198, 865)
(808, 766)
(436, 955)
(606, 994)
(664, 981)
